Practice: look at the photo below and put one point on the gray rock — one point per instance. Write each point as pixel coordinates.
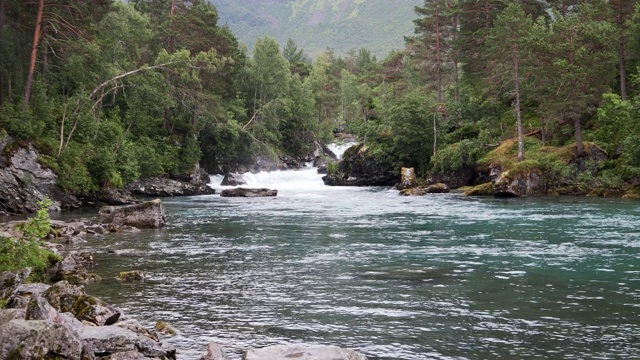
(214, 352)
(10, 280)
(359, 167)
(38, 339)
(246, 192)
(24, 293)
(40, 309)
(233, 179)
(74, 268)
(146, 215)
(136, 327)
(162, 187)
(23, 181)
(65, 297)
(114, 339)
(303, 352)
(522, 184)
(131, 276)
(7, 315)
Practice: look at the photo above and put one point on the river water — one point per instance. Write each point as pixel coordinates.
(435, 277)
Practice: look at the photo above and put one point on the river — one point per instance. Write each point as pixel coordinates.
(435, 277)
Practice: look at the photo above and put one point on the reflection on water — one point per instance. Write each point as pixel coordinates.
(436, 277)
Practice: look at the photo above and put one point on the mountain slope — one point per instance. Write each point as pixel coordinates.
(314, 25)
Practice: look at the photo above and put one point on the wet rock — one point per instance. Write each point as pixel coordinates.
(214, 352)
(359, 167)
(164, 328)
(246, 192)
(303, 352)
(114, 339)
(424, 190)
(146, 215)
(74, 268)
(112, 197)
(38, 339)
(407, 179)
(131, 276)
(233, 179)
(322, 168)
(480, 190)
(525, 183)
(163, 187)
(10, 280)
(464, 176)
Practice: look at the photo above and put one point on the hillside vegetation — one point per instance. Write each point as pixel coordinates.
(315, 25)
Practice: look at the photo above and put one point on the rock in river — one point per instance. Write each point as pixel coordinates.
(246, 192)
(149, 214)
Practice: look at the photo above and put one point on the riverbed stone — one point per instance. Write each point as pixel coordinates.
(249, 192)
(303, 352)
(439, 188)
(149, 214)
(131, 276)
(74, 268)
(214, 352)
(38, 339)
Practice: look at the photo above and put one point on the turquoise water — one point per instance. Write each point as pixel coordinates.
(435, 277)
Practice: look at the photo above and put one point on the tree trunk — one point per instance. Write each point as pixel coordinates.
(438, 55)
(37, 35)
(578, 127)
(2, 21)
(516, 75)
(456, 75)
(434, 135)
(543, 135)
(623, 70)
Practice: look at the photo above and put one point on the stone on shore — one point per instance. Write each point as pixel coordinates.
(247, 192)
(149, 214)
(38, 339)
(303, 352)
(407, 179)
(163, 187)
(10, 280)
(439, 188)
(74, 268)
(113, 339)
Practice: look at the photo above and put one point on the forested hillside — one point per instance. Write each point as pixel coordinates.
(316, 25)
(110, 92)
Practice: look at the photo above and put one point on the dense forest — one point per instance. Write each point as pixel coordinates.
(110, 92)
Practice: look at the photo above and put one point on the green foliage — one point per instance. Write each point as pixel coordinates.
(26, 251)
(457, 155)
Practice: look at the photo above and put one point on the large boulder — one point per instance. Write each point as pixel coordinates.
(114, 339)
(149, 214)
(303, 352)
(7, 315)
(424, 190)
(359, 167)
(526, 183)
(463, 176)
(23, 294)
(233, 179)
(38, 339)
(74, 268)
(247, 192)
(163, 187)
(23, 180)
(407, 179)
(65, 297)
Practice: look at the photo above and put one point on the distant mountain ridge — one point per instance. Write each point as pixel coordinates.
(315, 25)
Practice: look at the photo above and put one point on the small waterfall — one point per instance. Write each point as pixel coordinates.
(339, 149)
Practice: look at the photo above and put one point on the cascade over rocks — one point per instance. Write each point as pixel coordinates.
(146, 215)
(248, 192)
(407, 179)
(233, 179)
(359, 167)
(303, 352)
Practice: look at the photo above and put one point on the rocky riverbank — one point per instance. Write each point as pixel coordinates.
(60, 320)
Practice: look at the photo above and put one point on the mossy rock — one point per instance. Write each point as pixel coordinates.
(481, 190)
(131, 276)
(165, 328)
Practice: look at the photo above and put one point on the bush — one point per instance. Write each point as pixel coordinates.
(26, 251)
